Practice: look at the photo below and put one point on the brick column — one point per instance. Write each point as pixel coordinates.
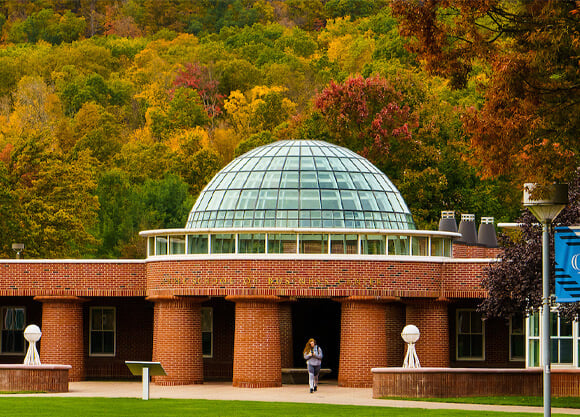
(177, 339)
(62, 334)
(395, 324)
(286, 348)
(257, 362)
(431, 317)
(363, 342)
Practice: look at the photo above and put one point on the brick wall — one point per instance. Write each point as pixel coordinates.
(134, 333)
(462, 250)
(286, 340)
(432, 320)
(34, 378)
(316, 278)
(363, 342)
(395, 324)
(177, 340)
(62, 334)
(496, 341)
(222, 277)
(257, 342)
(73, 278)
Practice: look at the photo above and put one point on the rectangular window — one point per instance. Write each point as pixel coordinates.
(160, 245)
(207, 332)
(533, 327)
(314, 244)
(177, 244)
(517, 338)
(398, 245)
(419, 246)
(251, 243)
(373, 245)
(13, 323)
(470, 335)
(281, 243)
(561, 340)
(223, 243)
(438, 246)
(197, 244)
(344, 244)
(102, 337)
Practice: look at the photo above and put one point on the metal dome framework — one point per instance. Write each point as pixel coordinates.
(300, 183)
(299, 198)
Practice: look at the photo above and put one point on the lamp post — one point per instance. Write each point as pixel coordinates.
(18, 247)
(546, 210)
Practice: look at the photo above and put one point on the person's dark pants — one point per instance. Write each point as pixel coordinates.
(313, 372)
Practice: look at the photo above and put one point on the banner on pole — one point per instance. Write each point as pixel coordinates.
(567, 257)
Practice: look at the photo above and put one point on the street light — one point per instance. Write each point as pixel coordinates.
(545, 210)
(18, 247)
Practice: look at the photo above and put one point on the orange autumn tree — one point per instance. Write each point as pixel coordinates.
(528, 125)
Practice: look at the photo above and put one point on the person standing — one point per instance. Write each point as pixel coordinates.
(313, 357)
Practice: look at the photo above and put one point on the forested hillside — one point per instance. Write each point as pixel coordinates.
(115, 114)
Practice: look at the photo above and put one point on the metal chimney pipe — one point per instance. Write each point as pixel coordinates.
(467, 229)
(486, 234)
(447, 222)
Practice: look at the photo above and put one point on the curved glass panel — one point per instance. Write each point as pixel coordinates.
(300, 183)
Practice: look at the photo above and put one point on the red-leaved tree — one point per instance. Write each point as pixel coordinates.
(200, 78)
(366, 115)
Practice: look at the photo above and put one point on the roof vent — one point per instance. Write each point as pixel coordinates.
(447, 222)
(486, 234)
(467, 229)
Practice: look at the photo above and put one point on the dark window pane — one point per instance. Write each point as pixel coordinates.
(108, 342)
(566, 351)
(476, 346)
(96, 342)
(518, 346)
(463, 343)
(206, 343)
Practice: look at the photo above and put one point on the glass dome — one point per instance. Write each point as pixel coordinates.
(300, 183)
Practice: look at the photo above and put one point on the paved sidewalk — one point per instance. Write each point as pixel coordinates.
(328, 393)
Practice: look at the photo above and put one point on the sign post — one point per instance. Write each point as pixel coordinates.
(146, 369)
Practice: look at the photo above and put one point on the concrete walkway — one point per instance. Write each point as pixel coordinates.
(328, 393)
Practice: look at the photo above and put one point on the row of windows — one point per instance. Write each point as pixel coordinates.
(324, 155)
(470, 336)
(564, 340)
(303, 218)
(300, 179)
(294, 199)
(277, 243)
(102, 331)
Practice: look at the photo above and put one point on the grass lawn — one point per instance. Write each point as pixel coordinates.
(81, 407)
(563, 402)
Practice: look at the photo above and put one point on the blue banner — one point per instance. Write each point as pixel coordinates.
(567, 257)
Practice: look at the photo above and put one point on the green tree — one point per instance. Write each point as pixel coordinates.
(56, 201)
(9, 213)
(98, 132)
(119, 216)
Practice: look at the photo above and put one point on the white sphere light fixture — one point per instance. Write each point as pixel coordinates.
(410, 335)
(32, 334)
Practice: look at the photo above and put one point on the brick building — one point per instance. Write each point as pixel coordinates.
(292, 240)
